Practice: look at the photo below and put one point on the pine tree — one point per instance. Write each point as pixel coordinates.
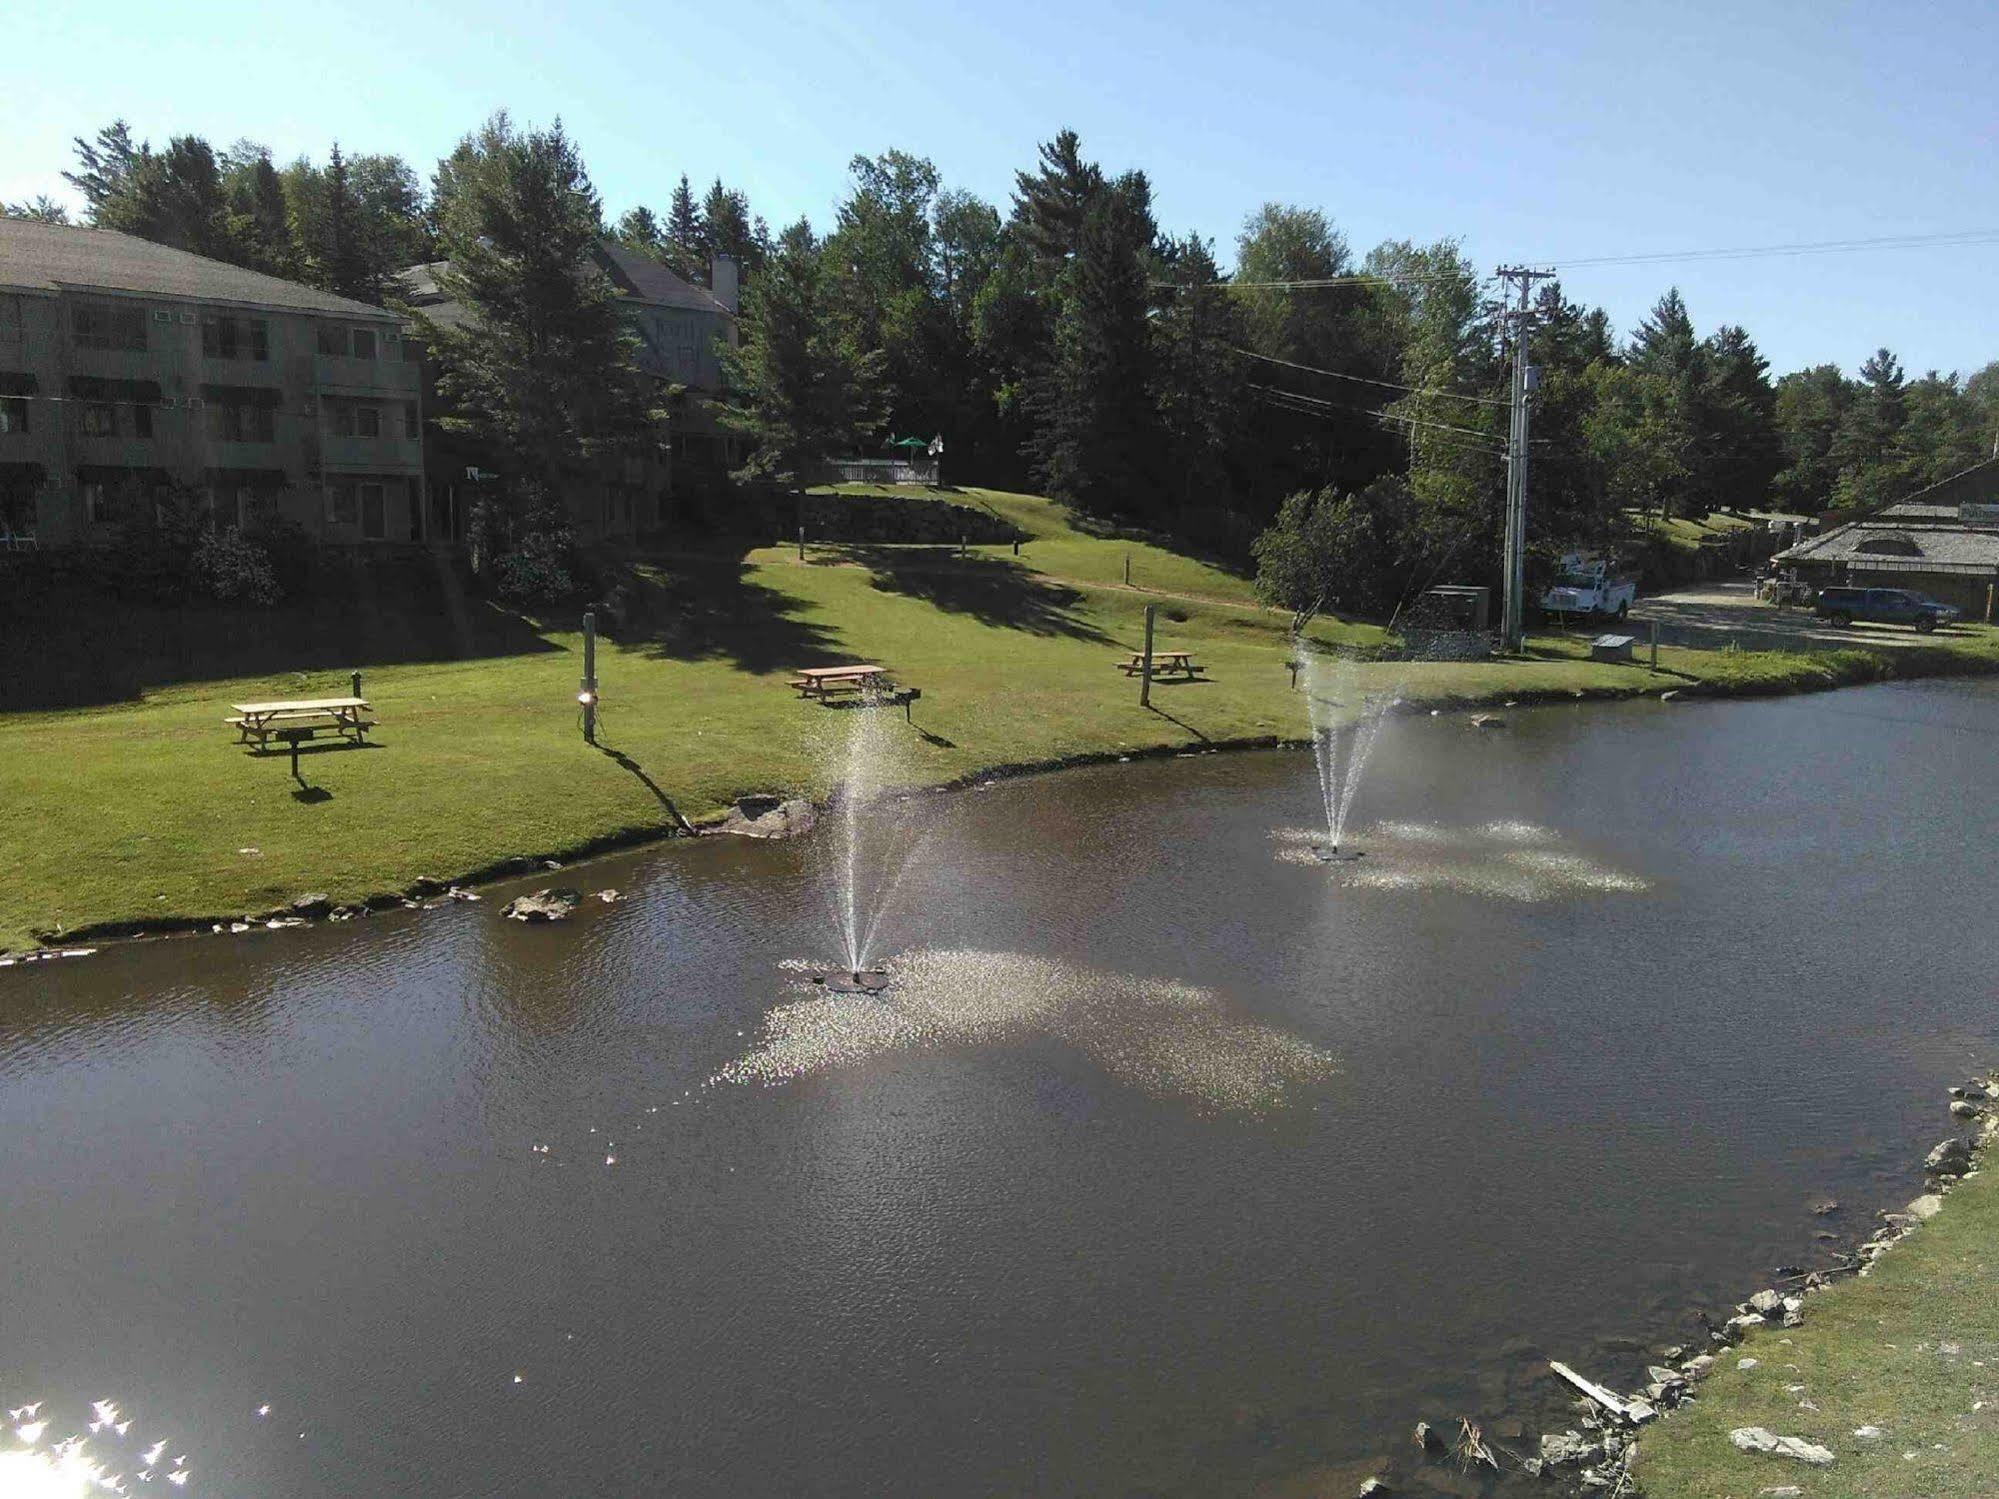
(686, 247)
(1051, 204)
(799, 389)
(725, 217)
(105, 166)
(1092, 444)
(542, 371)
(638, 229)
(1199, 389)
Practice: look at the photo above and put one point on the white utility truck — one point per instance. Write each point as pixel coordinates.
(1586, 585)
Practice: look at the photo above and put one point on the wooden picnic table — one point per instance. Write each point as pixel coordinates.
(302, 718)
(820, 681)
(1164, 663)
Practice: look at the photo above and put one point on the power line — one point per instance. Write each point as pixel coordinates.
(1388, 416)
(1947, 239)
(1415, 390)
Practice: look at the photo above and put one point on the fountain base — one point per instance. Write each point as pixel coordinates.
(866, 981)
(1328, 854)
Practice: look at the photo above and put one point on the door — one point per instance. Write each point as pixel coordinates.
(374, 522)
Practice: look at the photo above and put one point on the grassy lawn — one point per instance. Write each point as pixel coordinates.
(1913, 1349)
(1686, 533)
(143, 810)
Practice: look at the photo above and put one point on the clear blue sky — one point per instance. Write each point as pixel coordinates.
(1550, 130)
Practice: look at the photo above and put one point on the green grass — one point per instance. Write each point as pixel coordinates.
(1873, 1352)
(1686, 533)
(139, 812)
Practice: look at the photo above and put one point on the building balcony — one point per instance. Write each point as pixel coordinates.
(390, 377)
(371, 455)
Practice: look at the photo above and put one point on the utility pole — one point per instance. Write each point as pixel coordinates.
(1512, 610)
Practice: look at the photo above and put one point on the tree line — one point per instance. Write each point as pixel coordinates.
(1066, 341)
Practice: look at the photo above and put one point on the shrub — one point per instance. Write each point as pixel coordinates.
(230, 568)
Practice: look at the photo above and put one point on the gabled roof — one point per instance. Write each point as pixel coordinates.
(63, 257)
(1927, 529)
(645, 278)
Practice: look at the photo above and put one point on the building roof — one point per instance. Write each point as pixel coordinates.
(62, 257)
(637, 276)
(645, 278)
(1930, 530)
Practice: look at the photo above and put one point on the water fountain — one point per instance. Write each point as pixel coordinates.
(876, 832)
(1346, 721)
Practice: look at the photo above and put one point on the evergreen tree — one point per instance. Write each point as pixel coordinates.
(542, 372)
(686, 247)
(105, 166)
(1742, 449)
(1810, 413)
(41, 208)
(1051, 204)
(725, 216)
(259, 219)
(1200, 390)
(1093, 425)
(1870, 470)
(798, 388)
(638, 229)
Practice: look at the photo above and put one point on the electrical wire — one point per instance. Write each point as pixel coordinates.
(1414, 390)
(1391, 416)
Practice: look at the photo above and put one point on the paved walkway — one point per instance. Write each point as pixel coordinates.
(1712, 614)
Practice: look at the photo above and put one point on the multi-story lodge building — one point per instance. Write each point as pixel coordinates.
(128, 368)
(680, 328)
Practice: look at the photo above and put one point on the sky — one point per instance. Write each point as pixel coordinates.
(1531, 132)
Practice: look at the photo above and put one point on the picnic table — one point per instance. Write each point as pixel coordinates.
(833, 681)
(1164, 663)
(304, 718)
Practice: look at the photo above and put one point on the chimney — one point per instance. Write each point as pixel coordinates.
(722, 280)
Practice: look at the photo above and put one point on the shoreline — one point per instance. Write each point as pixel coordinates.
(1808, 673)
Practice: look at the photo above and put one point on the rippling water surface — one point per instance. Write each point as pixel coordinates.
(1172, 1161)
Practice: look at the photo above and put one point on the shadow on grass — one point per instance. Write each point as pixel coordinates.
(627, 763)
(1178, 723)
(709, 608)
(993, 590)
(71, 641)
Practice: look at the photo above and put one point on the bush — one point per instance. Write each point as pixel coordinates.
(230, 568)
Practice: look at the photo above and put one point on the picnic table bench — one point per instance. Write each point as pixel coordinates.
(862, 686)
(1164, 663)
(832, 681)
(290, 722)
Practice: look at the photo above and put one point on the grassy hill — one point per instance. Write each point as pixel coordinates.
(146, 809)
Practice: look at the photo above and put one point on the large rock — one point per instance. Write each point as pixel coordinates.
(769, 817)
(1560, 1447)
(1760, 1439)
(1766, 1303)
(543, 905)
(1925, 1207)
(314, 905)
(1951, 1157)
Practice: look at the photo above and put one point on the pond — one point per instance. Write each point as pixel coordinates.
(1174, 1162)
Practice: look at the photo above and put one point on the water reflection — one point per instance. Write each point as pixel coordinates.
(1164, 1038)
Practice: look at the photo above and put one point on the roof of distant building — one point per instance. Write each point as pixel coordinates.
(637, 276)
(64, 257)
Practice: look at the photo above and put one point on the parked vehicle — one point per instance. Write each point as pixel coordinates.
(1586, 586)
(1883, 606)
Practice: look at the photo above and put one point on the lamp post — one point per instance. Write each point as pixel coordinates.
(588, 695)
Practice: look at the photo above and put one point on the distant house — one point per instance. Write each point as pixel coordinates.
(128, 368)
(678, 326)
(1942, 541)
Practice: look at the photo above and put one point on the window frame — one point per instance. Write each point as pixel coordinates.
(120, 324)
(97, 419)
(14, 416)
(367, 419)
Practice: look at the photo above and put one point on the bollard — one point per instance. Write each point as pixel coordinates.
(1655, 645)
(354, 683)
(1145, 666)
(801, 543)
(1127, 569)
(1988, 592)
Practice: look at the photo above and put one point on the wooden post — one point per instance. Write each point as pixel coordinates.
(1655, 645)
(963, 542)
(1145, 666)
(801, 543)
(1988, 592)
(354, 682)
(1990, 589)
(588, 696)
(1127, 569)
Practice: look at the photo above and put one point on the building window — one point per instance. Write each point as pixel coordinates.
(100, 419)
(98, 325)
(230, 422)
(367, 421)
(364, 343)
(227, 337)
(342, 509)
(412, 423)
(10, 319)
(13, 414)
(332, 340)
(96, 503)
(142, 421)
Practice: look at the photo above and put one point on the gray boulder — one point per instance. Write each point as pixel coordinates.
(1951, 1157)
(1561, 1447)
(1766, 1303)
(769, 817)
(1760, 1439)
(314, 905)
(543, 905)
